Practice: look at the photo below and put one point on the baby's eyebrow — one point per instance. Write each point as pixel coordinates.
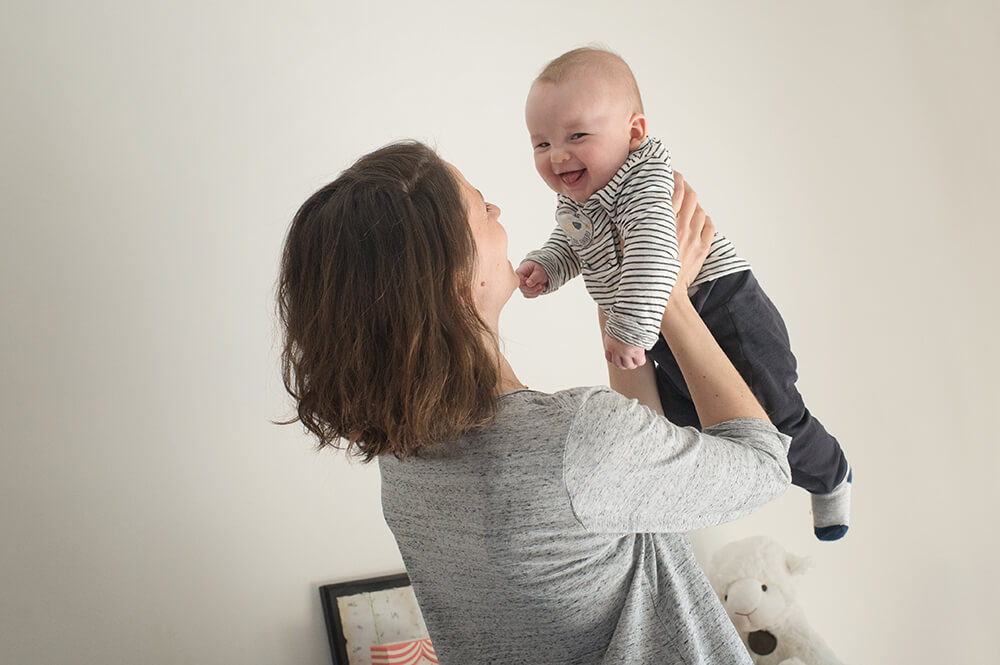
(576, 125)
(481, 196)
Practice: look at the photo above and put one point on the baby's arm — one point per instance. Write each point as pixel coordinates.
(639, 384)
(645, 217)
(556, 261)
(684, 201)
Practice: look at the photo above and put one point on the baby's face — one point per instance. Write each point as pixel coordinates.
(581, 133)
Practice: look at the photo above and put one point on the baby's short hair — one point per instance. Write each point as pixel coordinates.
(594, 62)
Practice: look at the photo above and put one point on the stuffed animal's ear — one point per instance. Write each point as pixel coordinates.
(797, 564)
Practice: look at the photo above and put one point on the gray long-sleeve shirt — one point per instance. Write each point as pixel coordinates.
(555, 535)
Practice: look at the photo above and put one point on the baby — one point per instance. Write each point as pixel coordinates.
(615, 225)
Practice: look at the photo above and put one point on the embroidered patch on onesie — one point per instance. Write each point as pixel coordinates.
(576, 225)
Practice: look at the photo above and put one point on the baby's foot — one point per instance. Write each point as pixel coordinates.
(832, 512)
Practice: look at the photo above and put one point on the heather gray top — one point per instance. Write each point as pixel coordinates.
(555, 535)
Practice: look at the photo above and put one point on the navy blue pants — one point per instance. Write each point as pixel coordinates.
(750, 330)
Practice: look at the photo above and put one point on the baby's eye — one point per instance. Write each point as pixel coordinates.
(577, 135)
(541, 146)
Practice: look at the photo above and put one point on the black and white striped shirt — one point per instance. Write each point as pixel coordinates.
(633, 211)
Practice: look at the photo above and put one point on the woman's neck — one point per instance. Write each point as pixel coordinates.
(508, 380)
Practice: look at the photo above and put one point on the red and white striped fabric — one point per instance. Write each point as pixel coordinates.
(414, 652)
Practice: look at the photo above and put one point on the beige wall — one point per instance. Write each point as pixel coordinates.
(151, 161)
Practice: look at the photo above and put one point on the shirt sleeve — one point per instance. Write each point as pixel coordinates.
(557, 257)
(645, 215)
(628, 470)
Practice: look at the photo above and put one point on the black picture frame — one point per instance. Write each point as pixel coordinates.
(329, 593)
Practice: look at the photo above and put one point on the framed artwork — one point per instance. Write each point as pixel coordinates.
(375, 621)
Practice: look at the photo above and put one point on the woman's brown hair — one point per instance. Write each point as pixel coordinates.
(383, 347)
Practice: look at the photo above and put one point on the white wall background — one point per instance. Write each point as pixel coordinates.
(154, 153)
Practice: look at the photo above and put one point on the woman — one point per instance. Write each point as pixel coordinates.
(536, 528)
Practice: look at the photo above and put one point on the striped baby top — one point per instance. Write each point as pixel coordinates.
(624, 241)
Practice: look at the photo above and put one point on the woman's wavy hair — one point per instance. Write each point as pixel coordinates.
(384, 351)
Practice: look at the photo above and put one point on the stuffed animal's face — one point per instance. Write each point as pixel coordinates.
(754, 605)
(753, 579)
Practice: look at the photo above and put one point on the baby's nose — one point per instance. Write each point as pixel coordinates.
(558, 155)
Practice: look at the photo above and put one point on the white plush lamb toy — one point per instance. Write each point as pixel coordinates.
(754, 580)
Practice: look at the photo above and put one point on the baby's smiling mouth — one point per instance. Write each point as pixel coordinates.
(571, 178)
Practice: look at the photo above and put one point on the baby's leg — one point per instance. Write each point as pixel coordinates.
(750, 330)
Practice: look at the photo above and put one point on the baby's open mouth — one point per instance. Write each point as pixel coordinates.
(571, 178)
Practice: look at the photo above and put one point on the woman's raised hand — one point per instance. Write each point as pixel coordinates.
(695, 232)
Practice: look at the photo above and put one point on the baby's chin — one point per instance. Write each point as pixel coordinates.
(581, 196)
(578, 195)
(563, 191)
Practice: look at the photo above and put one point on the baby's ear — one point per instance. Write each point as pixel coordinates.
(637, 130)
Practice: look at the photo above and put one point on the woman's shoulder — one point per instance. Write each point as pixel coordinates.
(524, 418)
(567, 396)
(576, 400)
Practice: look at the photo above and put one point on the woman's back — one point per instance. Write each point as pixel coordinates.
(516, 557)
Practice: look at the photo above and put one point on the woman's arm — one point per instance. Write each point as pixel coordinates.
(627, 469)
(717, 389)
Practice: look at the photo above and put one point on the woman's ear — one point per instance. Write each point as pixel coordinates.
(637, 130)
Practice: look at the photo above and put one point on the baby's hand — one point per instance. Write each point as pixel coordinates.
(623, 355)
(534, 281)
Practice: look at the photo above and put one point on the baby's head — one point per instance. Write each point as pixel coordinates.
(585, 116)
